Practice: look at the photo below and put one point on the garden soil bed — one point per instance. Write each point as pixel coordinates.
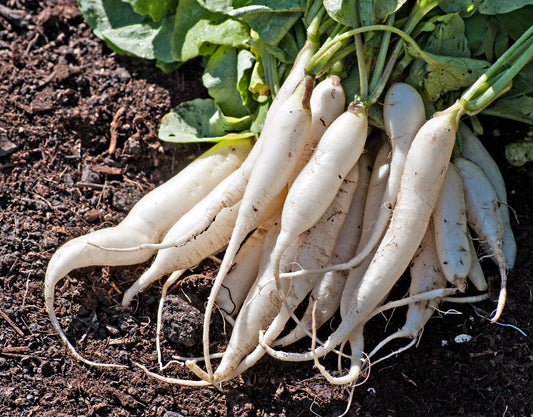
(65, 99)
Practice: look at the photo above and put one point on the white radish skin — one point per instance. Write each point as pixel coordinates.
(403, 115)
(243, 272)
(451, 230)
(484, 217)
(356, 341)
(260, 306)
(376, 189)
(426, 275)
(235, 191)
(474, 150)
(151, 217)
(147, 221)
(314, 248)
(316, 186)
(327, 294)
(422, 178)
(271, 172)
(327, 103)
(188, 255)
(476, 275)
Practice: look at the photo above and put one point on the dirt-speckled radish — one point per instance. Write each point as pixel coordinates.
(271, 172)
(146, 223)
(451, 230)
(403, 115)
(313, 247)
(422, 177)
(474, 150)
(426, 275)
(484, 217)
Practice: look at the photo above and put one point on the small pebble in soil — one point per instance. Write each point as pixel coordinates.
(182, 322)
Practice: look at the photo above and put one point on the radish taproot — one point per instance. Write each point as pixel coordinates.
(314, 248)
(485, 218)
(426, 275)
(147, 221)
(474, 150)
(272, 170)
(403, 115)
(420, 185)
(451, 234)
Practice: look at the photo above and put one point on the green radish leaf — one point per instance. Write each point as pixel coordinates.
(450, 66)
(475, 33)
(339, 10)
(270, 19)
(493, 7)
(126, 31)
(236, 7)
(465, 8)
(260, 116)
(451, 73)
(448, 36)
(201, 120)
(157, 9)
(518, 108)
(245, 65)
(516, 22)
(197, 31)
(271, 27)
(221, 79)
(384, 8)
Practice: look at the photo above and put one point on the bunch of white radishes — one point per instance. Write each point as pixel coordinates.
(319, 210)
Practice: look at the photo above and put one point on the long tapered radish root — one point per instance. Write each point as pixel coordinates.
(484, 217)
(375, 191)
(420, 186)
(147, 221)
(243, 272)
(315, 187)
(327, 293)
(403, 115)
(426, 275)
(211, 241)
(474, 150)
(273, 169)
(451, 230)
(314, 248)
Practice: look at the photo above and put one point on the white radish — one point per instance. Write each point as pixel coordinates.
(327, 293)
(271, 129)
(213, 239)
(357, 359)
(327, 103)
(484, 217)
(476, 275)
(474, 150)
(451, 230)
(314, 248)
(403, 115)
(147, 221)
(272, 170)
(376, 189)
(317, 184)
(260, 306)
(243, 272)
(426, 275)
(422, 178)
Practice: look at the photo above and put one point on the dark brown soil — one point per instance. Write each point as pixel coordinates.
(64, 99)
